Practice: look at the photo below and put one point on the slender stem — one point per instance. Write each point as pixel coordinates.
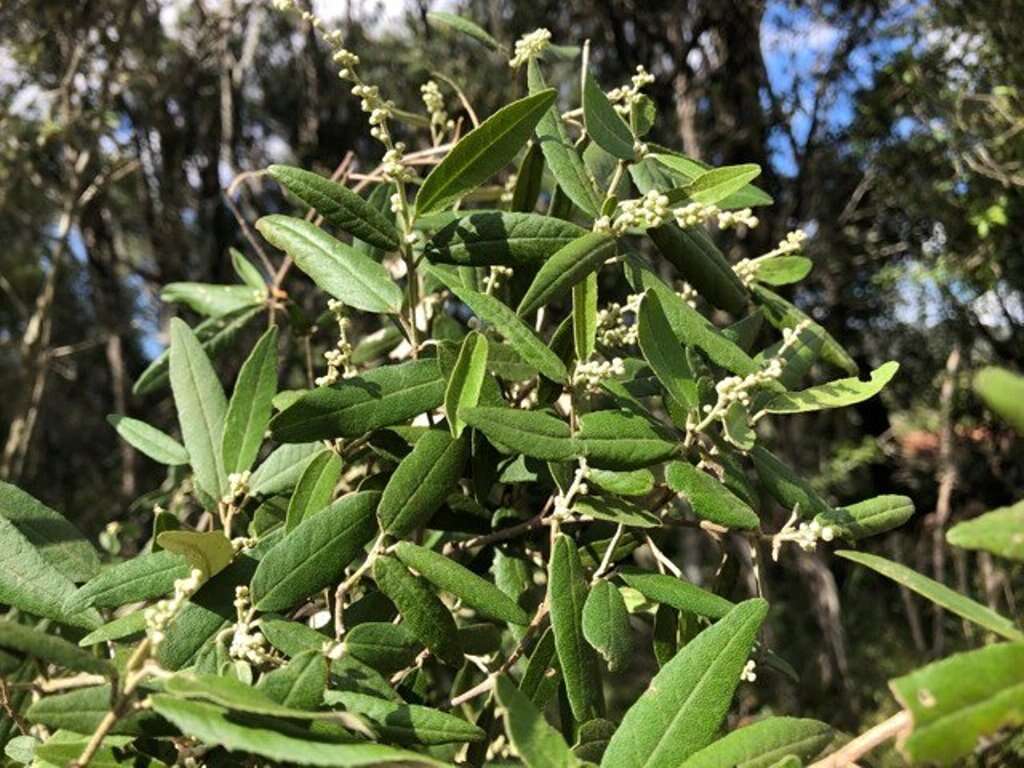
(345, 586)
(896, 725)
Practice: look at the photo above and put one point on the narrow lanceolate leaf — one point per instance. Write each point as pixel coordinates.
(567, 592)
(247, 271)
(835, 394)
(384, 646)
(711, 187)
(615, 510)
(529, 179)
(678, 593)
(463, 26)
(31, 583)
(349, 276)
(939, 594)
(55, 538)
(217, 726)
(664, 351)
(781, 270)
(482, 152)
(603, 123)
(157, 445)
(606, 625)
(696, 257)
(316, 553)
(957, 702)
(487, 238)
(518, 335)
(116, 629)
(623, 440)
(281, 470)
(421, 483)
(339, 205)
(710, 499)
(64, 748)
(426, 616)
(1003, 392)
(869, 517)
(201, 405)
(228, 691)
(672, 170)
(466, 380)
(685, 702)
(407, 723)
(1000, 532)
(783, 314)
(144, 577)
(315, 488)
(54, 650)
(786, 486)
(213, 300)
(352, 407)
(571, 265)
(249, 409)
(562, 158)
(447, 575)
(299, 684)
(584, 317)
(535, 741)
(764, 743)
(531, 433)
(82, 711)
(209, 551)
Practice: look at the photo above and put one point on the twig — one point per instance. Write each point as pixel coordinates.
(867, 741)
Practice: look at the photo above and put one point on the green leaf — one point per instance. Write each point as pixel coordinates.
(466, 380)
(215, 726)
(64, 748)
(1003, 392)
(54, 650)
(339, 205)
(623, 440)
(592, 739)
(352, 407)
(29, 582)
(116, 629)
(764, 743)
(229, 692)
(281, 470)
(606, 625)
(710, 499)
(713, 186)
(869, 517)
(384, 646)
(426, 616)
(835, 394)
(213, 300)
(671, 169)
(55, 538)
(82, 711)
(664, 351)
(316, 553)
(786, 487)
(201, 406)
(1000, 532)
(560, 153)
(463, 26)
(531, 433)
(299, 684)
(781, 270)
(696, 257)
(482, 152)
(685, 702)
(736, 427)
(209, 551)
(421, 483)
(247, 271)
(678, 593)
(939, 594)
(407, 723)
(449, 576)
(570, 266)
(143, 577)
(157, 445)
(248, 411)
(215, 334)
(567, 592)
(315, 488)
(638, 482)
(529, 178)
(487, 238)
(782, 314)
(603, 123)
(957, 702)
(584, 316)
(615, 510)
(535, 741)
(346, 274)
(518, 335)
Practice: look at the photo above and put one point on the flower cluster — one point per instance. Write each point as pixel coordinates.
(509, 190)
(748, 675)
(338, 358)
(695, 214)
(379, 109)
(804, 535)
(645, 212)
(590, 374)
(160, 615)
(238, 487)
(498, 273)
(743, 217)
(626, 96)
(530, 46)
(687, 293)
(737, 388)
(792, 243)
(247, 642)
(434, 102)
(394, 168)
(616, 323)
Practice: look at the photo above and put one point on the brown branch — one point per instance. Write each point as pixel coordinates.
(867, 741)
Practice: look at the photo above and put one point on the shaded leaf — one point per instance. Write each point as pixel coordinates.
(143, 577)
(710, 499)
(421, 483)
(568, 267)
(466, 380)
(1003, 392)
(48, 648)
(407, 723)
(603, 123)
(486, 238)
(606, 625)
(531, 433)
(157, 445)
(315, 488)
(536, 742)
(834, 394)
(248, 411)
